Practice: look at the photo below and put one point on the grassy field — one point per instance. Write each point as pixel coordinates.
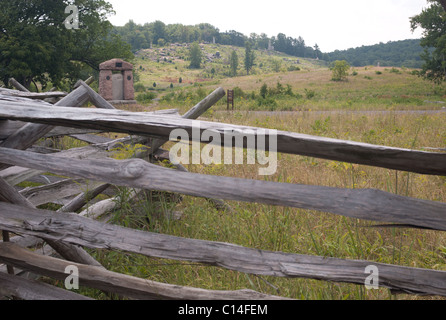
(294, 84)
(309, 89)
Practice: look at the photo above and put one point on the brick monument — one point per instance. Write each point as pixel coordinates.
(116, 81)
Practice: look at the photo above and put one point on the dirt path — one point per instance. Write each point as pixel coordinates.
(336, 112)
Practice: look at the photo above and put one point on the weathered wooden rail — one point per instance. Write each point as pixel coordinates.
(287, 142)
(25, 121)
(368, 204)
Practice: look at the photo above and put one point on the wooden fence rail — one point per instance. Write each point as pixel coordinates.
(287, 142)
(86, 232)
(368, 204)
(131, 287)
(25, 121)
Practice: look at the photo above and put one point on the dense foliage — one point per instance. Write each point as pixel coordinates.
(405, 53)
(159, 33)
(37, 46)
(433, 22)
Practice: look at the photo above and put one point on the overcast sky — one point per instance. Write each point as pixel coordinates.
(332, 24)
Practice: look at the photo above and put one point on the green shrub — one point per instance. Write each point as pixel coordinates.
(293, 68)
(394, 70)
(168, 97)
(289, 90)
(310, 93)
(340, 70)
(146, 97)
(139, 87)
(264, 90)
(239, 93)
(268, 103)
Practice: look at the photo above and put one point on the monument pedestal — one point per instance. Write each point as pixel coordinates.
(116, 81)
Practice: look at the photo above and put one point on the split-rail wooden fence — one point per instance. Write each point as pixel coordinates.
(28, 117)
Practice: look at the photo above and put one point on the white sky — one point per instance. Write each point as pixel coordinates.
(332, 24)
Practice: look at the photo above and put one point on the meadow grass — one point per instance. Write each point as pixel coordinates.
(314, 91)
(294, 230)
(366, 88)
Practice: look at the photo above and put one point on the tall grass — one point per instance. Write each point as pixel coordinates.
(290, 229)
(294, 230)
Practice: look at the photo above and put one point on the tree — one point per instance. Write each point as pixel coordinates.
(264, 91)
(249, 57)
(37, 43)
(234, 63)
(195, 56)
(340, 70)
(207, 32)
(159, 31)
(276, 64)
(433, 21)
(317, 51)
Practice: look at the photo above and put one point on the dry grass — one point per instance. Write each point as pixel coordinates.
(302, 231)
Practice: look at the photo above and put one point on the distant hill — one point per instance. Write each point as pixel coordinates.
(404, 53)
(158, 34)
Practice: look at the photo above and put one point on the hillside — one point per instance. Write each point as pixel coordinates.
(405, 53)
(164, 66)
(292, 84)
(158, 33)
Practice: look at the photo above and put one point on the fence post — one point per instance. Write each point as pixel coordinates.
(230, 99)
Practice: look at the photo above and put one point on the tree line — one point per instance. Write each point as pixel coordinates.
(142, 36)
(405, 53)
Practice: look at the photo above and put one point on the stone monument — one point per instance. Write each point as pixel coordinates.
(116, 81)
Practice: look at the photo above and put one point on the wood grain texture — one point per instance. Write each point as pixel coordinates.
(192, 114)
(66, 250)
(94, 234)
(82, 199)
(124, 285)
(27, 135)
(205, 104)
(51, 193)
(367, 204)
(17, 287)
(17, 85)
(287, 142)
(14, 175)
(32, 95)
